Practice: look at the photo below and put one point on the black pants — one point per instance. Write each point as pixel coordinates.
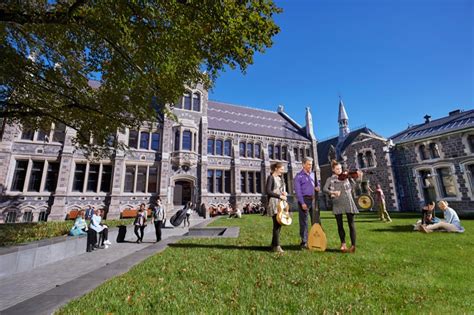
(276, 232)
(340, 228)
(91, 239)
(158, 230)
(103, 236)
(142, 231)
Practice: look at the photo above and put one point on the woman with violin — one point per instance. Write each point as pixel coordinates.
(275, 189)
(339, 188)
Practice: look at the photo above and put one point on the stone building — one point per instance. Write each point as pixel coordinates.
(361, 149)
(215, 153)
(435, 160)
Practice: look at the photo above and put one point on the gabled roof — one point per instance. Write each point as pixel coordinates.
(455, 121)
(234, 118)
(323, 146)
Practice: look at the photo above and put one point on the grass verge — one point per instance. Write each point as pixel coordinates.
(395, 270)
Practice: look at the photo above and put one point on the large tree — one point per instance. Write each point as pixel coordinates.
(137, 50)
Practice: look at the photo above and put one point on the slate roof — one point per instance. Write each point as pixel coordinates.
(323, 146)
(234, 118)
(455, 121)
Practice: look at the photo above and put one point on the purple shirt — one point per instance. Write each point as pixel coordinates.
(304, 185)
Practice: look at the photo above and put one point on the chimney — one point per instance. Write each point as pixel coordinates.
(454, 112)
(427, 118)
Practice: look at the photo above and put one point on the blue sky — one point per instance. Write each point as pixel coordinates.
(391, 61)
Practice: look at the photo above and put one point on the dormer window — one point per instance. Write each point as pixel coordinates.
(360, 160)
(370, 159)
(434, 152)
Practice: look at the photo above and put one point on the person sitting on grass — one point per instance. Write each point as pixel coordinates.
(235, 213)
(426, 215)
(80, 225)
(451, 221)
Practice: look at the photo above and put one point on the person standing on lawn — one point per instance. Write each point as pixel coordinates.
(380, 197)
(340, 192)
(305, 188)
(276, 191)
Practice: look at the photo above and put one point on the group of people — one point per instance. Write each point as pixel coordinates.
(158, 217)
(95, 226)
(306, 189)
(429, 222)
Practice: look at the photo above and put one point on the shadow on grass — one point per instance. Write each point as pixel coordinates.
(396, 229)
(221, 246)
(256, 248)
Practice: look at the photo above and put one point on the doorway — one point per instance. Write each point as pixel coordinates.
(183, 192)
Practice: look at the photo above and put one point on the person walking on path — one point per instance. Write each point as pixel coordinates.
(276, 191)
(140, 223)
(305, 188)
(159, 216)
(341, 193)
(188, 210)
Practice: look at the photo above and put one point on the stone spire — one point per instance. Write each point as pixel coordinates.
(309, 124)
(343, 122)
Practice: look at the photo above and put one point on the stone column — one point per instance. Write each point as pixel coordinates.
(65, 176)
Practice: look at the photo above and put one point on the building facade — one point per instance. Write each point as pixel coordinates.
(214, 154)
(361, 149)
(435, 160)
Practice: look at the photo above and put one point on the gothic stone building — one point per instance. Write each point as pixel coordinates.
(215, 153)
(361, 149)
(435, 160)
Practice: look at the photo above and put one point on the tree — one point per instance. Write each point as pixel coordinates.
(137, 50)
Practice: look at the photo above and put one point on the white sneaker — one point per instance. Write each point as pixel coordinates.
(107, 242)
(106, 246)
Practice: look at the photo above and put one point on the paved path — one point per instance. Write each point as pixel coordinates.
(44, 289)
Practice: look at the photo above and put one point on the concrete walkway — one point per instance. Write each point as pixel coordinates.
(44, 289)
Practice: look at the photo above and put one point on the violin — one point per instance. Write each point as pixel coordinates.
(348, 174)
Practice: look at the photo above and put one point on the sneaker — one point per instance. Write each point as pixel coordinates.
(278, 249)
(107, 242)
(106, 246)
(304, 245)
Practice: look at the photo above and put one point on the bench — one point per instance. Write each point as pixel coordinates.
(72, 215)
(128, 213)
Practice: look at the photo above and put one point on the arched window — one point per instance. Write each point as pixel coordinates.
(258, 149)
(187, 140)
(144, 140)
(197, 102)
(277, 152)
(447, 181)
(176, 140)
(210, 146)
(249, 149)
(228, 148)
(270, 151)
(422, 150)
(434, 152)
(219, 147)
(242, 149)
(187, 101)
(360, 160)
(370, 159)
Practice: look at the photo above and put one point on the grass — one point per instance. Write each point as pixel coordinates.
(17, 233)
(395, 270)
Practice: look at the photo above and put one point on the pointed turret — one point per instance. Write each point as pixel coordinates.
(343, 122)
(309, 124)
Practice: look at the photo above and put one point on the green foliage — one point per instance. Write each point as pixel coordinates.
(395, 270)
(17, 233)
(137, 49)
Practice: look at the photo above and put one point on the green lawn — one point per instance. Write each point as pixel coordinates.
(395, 270)
(17, 233)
